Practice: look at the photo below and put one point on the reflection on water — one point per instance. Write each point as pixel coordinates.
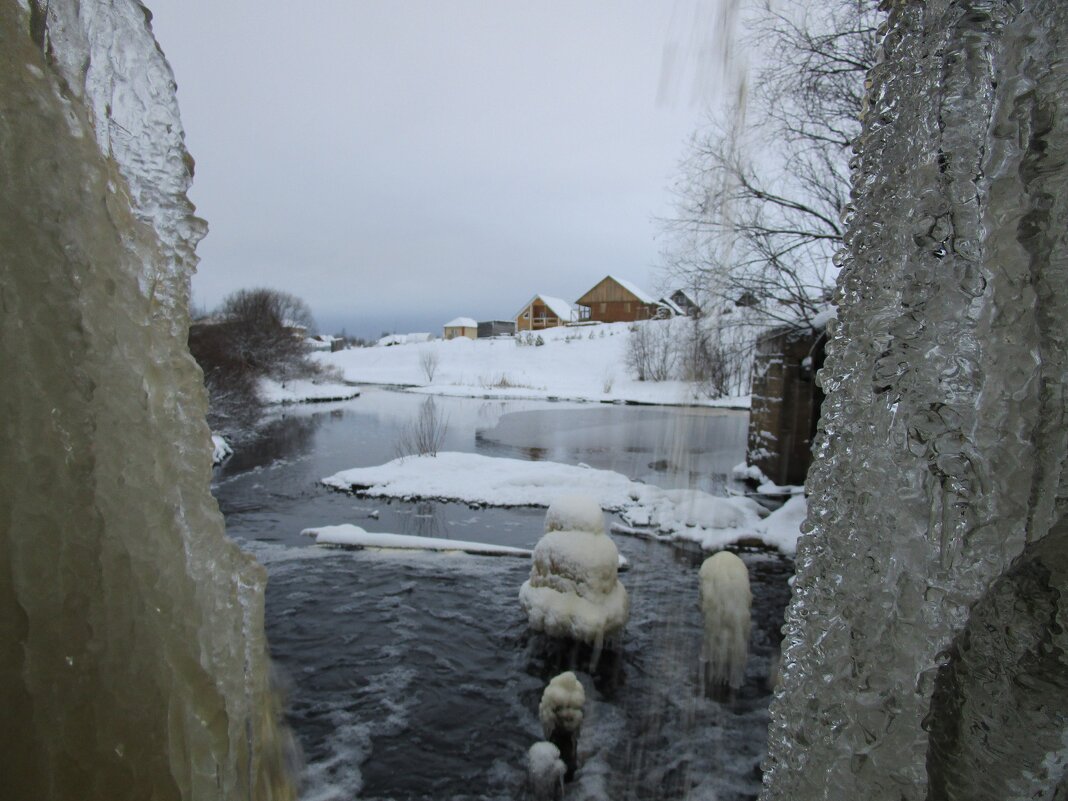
(413, 675)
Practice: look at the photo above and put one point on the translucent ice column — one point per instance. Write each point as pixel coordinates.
(925, 645)
(133, 659)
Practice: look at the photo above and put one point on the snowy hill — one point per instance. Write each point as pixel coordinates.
(579, 363)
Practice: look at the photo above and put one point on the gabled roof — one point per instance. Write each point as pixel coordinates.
(561, 308)
(673, 306)
(632, 288)
(461, 322)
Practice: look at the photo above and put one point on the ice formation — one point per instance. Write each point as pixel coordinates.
(560, 712)
(545, 772)
(573, 591)
(925, 642)
(134, 663)
(725, 604)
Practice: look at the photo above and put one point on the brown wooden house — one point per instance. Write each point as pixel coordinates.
(544, 311)
(615, 300)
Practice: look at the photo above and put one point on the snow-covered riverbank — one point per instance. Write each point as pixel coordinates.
(682, 514)
(581, 363)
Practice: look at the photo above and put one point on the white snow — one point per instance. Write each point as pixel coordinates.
(561, 704)
(573, 590)
(709, 520)
(546, 771)
(220, 449)
(585, 362)
(403, 339)
(462, 322)
(575, 513)
(725, 603)
(353, 536)
(303, 390)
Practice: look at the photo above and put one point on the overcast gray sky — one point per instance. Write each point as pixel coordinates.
(398, 163)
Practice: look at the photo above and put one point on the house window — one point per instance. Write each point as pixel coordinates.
(604, 308)
(526, 315)
(626, 308)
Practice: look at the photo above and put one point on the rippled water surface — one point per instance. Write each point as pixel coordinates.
(413, 676)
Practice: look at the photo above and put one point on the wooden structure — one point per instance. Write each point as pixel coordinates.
(496, 328)
(681, 298)
(461, 327)
(544, 311)
(786, 403)
(615, 300)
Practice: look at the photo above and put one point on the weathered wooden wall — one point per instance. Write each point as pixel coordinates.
(786, 404)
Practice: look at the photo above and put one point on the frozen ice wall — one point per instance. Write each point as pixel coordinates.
(926, 638)
(133, 661)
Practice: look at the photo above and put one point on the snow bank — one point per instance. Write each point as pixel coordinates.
(577, 363)
(725, 603)
(355, 537)
(712, 522)
(573, 591)
(303, 390)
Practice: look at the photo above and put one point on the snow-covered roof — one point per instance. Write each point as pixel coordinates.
(634, 289)
(561, 308)
(673, 306)
(461, 322)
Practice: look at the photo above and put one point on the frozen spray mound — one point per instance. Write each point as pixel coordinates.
(924, 651)
(560, 712)
(725, 604)
(545, 771)
(134, 658)
(573, 591)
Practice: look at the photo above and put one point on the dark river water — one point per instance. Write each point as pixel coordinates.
(413, 675)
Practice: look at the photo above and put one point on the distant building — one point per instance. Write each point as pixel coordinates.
(685, 303)
(544, 311)
(616, 300)
(496, 328)
(461, 327)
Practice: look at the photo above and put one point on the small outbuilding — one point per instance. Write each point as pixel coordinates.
(616, 300)
(461, 327)
(495, 328)
(786, 402)
(544, 311)
(685, 303)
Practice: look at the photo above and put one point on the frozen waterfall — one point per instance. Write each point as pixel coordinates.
(134, 662)
(925, 643)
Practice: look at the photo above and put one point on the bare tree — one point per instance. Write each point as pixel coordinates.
(651, 350)
(267, 328)
(428, 360)
(760, 198)
(424, 435)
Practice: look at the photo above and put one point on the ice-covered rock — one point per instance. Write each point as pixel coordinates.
(545, 772)
(573, 591)
(560, 712)
(134, 662)
(220, 449)
(725, 603)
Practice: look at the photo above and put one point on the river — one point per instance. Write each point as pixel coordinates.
(411, 675)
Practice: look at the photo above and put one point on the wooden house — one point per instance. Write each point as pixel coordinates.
(544, 311)
(685, 302)
(461, 327)
(615, 300)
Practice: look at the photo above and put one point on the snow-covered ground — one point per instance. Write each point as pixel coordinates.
(710, 521)
(303, 390)
(576, 363)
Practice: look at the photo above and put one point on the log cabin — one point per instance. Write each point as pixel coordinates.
(616, 300)
(544, 311)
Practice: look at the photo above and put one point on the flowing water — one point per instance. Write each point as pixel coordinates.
(413, 675)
